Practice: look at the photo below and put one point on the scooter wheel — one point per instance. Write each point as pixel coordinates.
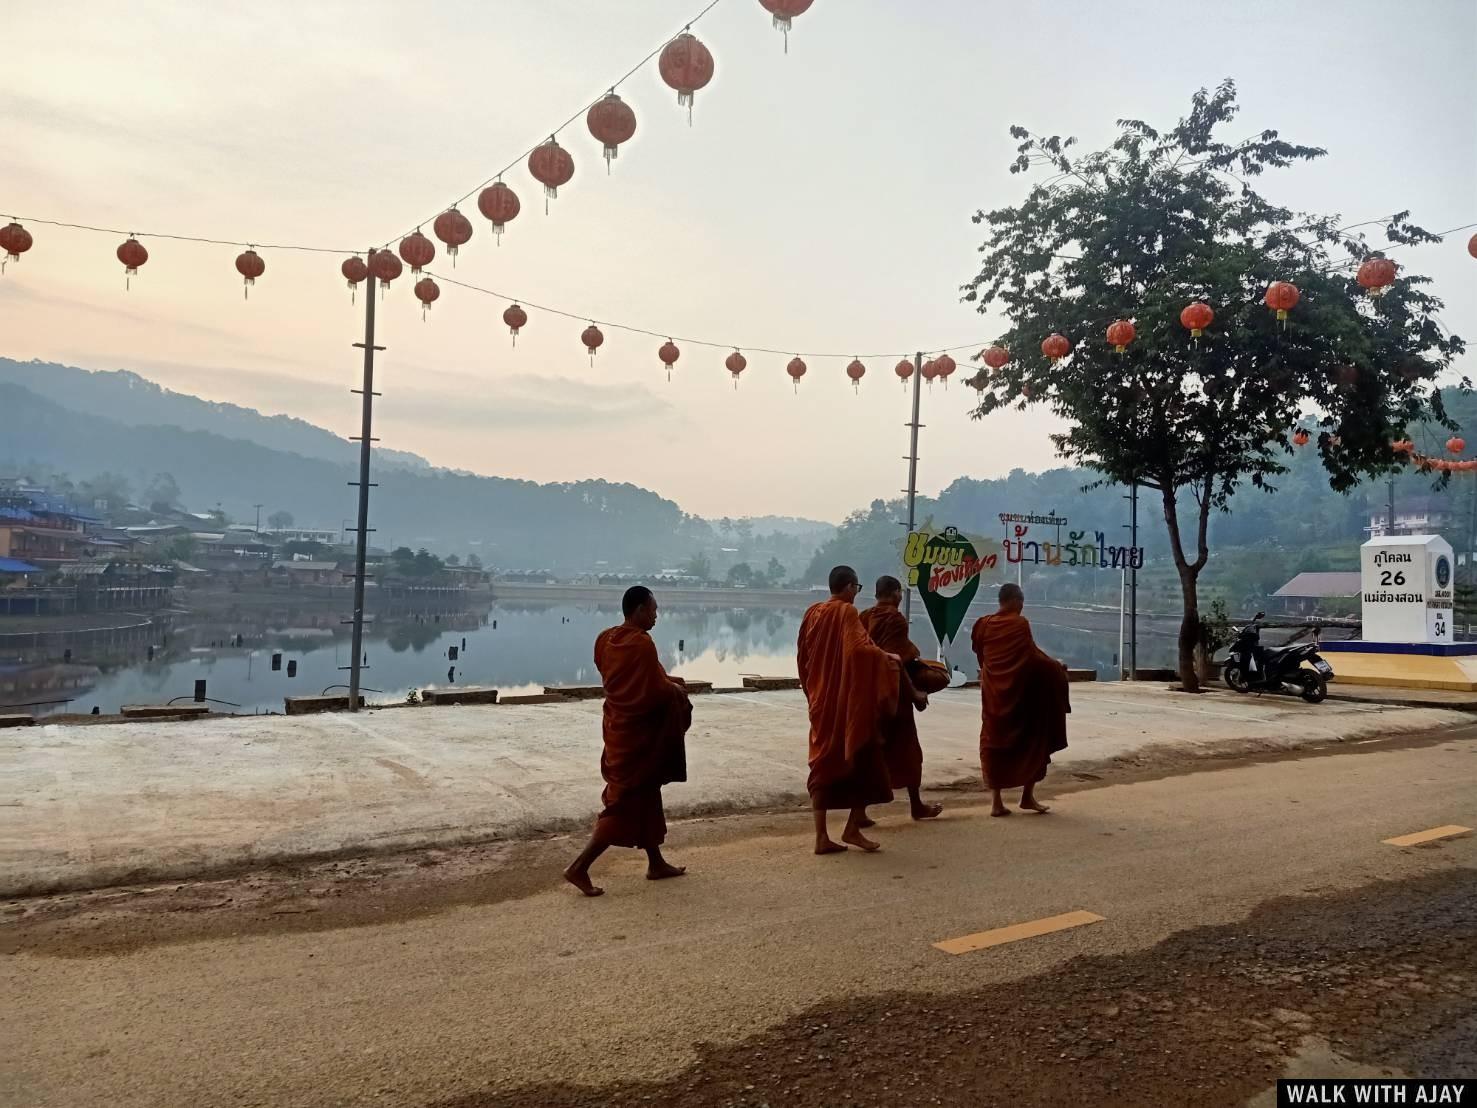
(1235, 677)
(1315, 688)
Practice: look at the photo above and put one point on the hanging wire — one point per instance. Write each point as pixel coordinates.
(253, 243)
(554, 133)
(631, 329)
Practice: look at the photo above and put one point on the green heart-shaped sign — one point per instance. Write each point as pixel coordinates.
(945, 569)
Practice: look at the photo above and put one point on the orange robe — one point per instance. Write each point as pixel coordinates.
(887, 627)
(1025, 702)
(851, 686)
(646, 717)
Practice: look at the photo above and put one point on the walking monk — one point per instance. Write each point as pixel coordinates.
(1025, 703)
(850, 685)
(647, 714)
(887, 627)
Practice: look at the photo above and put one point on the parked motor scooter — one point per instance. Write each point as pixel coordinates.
(1297, 667)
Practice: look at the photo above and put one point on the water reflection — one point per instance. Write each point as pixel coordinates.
(515, 649)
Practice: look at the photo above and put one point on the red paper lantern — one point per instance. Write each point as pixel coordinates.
(669, 355)
(385, 266)
(15, 240)
(945, 367)
(1300, 437)
(500, 204)
(904, 370)
(612, 121)
(856, 371)
(250, 265)
(1056, 347)
(426, 291)
(1472, 246)
(454, 229)
(735, 363)
(552, 166)
(784, 11)
(796, 370)
(930, 370)
(686, 66)
(1402, 446)
(132, 254)
(996, 357)
(515, 317)
(417, 250)
(1196, 317)
(1375, 275)
(979, 380)
(354, 271)
(592, 338)
(1456, 444)
(1282, 297)
(1120, 334)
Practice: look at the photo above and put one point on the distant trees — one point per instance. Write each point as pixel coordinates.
(162, 494)
(474, 562)
(418, 564)
(698, 566)
(775, 571)
(280, 520)
(107, 492)
(741, 576)
(181, 549)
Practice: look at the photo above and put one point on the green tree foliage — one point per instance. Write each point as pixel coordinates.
(280, 520)
(107, 492)
(699, 566)
(162, 493)
(1137, 231)
(742, 575)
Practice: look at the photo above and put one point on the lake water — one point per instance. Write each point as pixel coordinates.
(514, 649)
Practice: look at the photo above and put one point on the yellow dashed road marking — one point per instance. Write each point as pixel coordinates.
(1016, 932)
(1428, 836)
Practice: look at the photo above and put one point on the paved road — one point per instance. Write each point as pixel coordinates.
(769, 976)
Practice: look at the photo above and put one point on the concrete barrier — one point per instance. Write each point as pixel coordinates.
(771, 684)
(164, 711)
(472, 694)
(309, 705)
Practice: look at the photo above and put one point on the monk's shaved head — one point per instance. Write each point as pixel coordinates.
(1011, 596)
(636, 598)
(843, 578)
(888, 586)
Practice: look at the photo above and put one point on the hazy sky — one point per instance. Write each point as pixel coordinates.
(820, 201)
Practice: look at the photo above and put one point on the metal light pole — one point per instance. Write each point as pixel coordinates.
(361, 531)
(912, 460)
(258, 508)
(1133, 583)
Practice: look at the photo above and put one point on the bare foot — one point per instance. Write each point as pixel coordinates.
(665, 870)
(1000, 810)
(857, 839)
(927, 811)
(826, 846)
(1034, 805)
(581, 881)
(867, 821)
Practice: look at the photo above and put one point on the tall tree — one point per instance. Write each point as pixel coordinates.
(163, 493)
(1139, 230)
(280, 520)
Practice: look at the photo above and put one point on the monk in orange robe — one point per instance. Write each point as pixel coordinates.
(851, 686)
(1025, 703)
(887, 627)
(647, 714)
